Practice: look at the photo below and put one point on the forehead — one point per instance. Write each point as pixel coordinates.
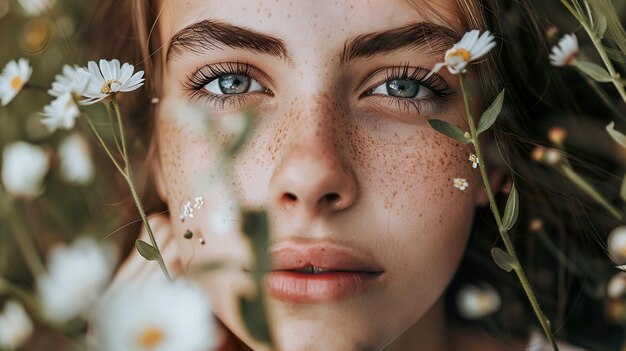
(322, 23)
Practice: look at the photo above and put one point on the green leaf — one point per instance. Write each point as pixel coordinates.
(617, 136)
(511, 210)
(253, 313)
(449, 130)
(600, 26)
(503, 259)
(491, 114)
(240, 138)
(615, 55)
(256, 227)
(594, 71)
(146, 250)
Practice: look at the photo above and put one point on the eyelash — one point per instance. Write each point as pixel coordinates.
(437, 85)
(196, 82)
(203, 76)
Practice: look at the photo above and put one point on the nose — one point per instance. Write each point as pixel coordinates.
(312, 179)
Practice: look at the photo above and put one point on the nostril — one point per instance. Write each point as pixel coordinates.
(331, 197)
(289, 198)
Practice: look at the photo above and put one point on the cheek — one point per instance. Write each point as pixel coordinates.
(190, 165)
(421, 220)
(185, 158)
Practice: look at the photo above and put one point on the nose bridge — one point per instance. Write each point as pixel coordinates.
(311, 176)
(315, 130)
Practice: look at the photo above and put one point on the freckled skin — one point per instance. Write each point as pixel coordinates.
(405, 212)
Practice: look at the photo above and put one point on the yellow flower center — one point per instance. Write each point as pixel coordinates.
(460, 52)
(151, 337)
(106, 87)
(17, 82)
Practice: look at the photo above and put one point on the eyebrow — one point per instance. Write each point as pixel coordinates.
(207, 35)
(413, 36)
(210, 34)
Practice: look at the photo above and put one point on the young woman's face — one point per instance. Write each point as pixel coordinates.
(341, 155)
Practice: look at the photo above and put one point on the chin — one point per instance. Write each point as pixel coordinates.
(325, 334)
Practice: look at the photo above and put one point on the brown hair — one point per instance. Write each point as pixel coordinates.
(523, 50)
(132, 36)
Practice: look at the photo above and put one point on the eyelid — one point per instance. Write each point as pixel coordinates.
(435, 83)
(255, 86)
(439, 90)
(193, 81)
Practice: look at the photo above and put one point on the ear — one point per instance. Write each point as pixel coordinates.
(154, 158)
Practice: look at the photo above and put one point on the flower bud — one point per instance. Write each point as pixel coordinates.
(536, 225)
(617, 245)
(616, 286)
(75, 160)
(24, 167)
(15, 326)
(477, 302)
(557, 135)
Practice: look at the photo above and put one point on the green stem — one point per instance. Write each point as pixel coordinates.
(27, 300)
(144, 219)
(597, 42)
(33, 307)
(19, 231)
(569, 172)
(545, 324)
(481, 165)
(558, 254)
(128, 176)
(607, 62)
(104, 145)
(115, 138)
(28, 249)
(603, 96)
(118, 115)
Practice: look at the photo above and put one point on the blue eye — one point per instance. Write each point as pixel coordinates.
(229, 84)
(402, 88)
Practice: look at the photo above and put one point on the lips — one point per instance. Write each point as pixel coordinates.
(320, 272)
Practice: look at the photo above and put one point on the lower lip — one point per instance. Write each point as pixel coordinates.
(294, 287)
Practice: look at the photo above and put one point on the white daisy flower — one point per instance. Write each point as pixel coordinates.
(61, 113)
(77, 275)
(157, 316)
(13, 78)
(477, 302)
(471, 47)
(474, 160)
(108, 79)
(15, 326)
(24, 167)
(460, 183)
(75, 161)
(617, 245)
(36, 7)
(565, 51)
(65, 83)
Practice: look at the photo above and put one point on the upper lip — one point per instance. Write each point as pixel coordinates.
(292, 256)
